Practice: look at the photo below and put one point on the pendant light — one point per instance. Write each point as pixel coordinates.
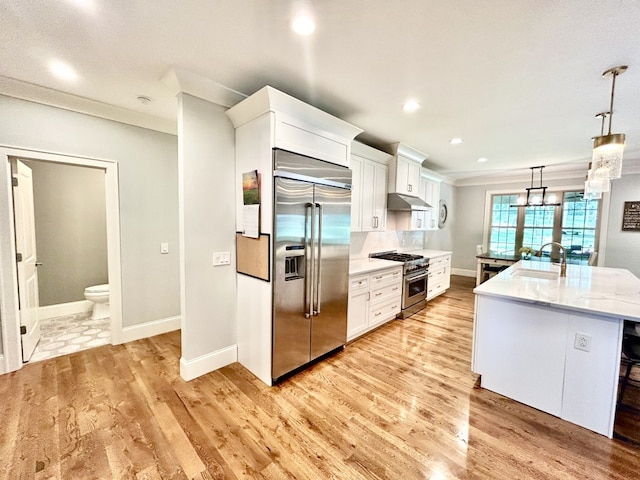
(608, 149)
(537, 196)
(597, 181)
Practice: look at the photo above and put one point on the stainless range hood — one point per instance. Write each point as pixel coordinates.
(406, 203)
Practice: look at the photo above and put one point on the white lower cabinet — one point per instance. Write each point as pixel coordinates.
(439, 276)
(374, 298)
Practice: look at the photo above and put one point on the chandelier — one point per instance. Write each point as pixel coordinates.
(606, 163)
(537, 195)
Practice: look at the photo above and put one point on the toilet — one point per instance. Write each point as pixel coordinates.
(99, 295)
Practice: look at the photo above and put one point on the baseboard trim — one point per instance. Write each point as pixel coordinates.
(463, 272)
(190, 369)
(62, 309)
(150, 329)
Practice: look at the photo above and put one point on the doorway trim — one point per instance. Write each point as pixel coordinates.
(11, 357)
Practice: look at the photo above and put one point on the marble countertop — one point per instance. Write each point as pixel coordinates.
(613, 292)
(366, 265)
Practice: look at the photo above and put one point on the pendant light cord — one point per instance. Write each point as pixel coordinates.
(613, 89)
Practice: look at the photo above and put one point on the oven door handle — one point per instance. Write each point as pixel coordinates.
(418, 276)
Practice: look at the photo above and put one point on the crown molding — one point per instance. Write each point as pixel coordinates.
(180, 80)
(12, 87)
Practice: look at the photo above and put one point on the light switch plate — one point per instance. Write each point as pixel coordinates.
(221, 258)
(164, 248)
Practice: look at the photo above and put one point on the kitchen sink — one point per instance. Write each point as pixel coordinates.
(533, 273)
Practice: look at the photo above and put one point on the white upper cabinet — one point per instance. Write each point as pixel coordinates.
(297, 126)
(430, 193)
(369, 194)
(405, 169)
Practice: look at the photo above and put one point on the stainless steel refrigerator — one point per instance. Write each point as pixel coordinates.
(312, 218)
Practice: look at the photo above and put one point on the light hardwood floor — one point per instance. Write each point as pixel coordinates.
(398, 403)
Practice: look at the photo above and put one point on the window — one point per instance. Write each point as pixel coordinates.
(503, 223)
(574, 225)
(579, 225)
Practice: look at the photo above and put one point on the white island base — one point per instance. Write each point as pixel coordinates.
(554, 343)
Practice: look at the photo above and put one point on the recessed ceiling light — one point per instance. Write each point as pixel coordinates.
(87, 5)
(144, 100)
(455, 141)
(411, 106)
(303, 24)
(62, 70)
(482, 160)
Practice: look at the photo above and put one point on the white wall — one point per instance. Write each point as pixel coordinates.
(147, 163)
(207, 225)
(622, 247)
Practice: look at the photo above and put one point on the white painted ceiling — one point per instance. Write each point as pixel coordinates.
(519, 80)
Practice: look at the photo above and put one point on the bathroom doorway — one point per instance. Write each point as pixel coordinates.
(71, 240)
(63, 304)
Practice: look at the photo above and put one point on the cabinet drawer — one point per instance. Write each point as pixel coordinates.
(386, 292)
(360, 282)
(437, 274)
(438, 262)
(438, 281)
(495, 261)
(384, 312)
(386, 276)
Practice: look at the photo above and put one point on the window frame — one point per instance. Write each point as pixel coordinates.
(601, 229)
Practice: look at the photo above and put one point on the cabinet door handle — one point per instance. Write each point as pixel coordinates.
(409, 188)
(378, 314)
(378, 294)
(377, 277)
(394, 289)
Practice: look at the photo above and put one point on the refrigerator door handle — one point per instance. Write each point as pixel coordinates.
(319, 262)
(309, 276)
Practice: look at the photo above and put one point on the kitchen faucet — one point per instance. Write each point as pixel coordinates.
(563, 251)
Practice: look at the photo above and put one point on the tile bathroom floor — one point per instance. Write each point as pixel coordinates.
(70, 333)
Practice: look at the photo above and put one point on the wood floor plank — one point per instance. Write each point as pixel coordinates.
(399, 402)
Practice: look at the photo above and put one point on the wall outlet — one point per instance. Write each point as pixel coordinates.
(221, 258)
(582, 342)
(164, 248)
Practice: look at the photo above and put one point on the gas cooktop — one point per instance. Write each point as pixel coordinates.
(395, 256)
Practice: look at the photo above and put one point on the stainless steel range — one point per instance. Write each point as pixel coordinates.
(415, 275)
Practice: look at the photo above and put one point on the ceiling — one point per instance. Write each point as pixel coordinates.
(520, 84)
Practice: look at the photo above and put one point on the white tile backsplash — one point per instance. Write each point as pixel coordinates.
(364, 243)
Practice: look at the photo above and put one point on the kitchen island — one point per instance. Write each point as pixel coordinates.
(554, 343)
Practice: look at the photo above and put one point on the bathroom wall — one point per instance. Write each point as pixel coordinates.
(71, 234)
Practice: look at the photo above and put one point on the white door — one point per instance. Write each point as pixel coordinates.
(26, 251)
